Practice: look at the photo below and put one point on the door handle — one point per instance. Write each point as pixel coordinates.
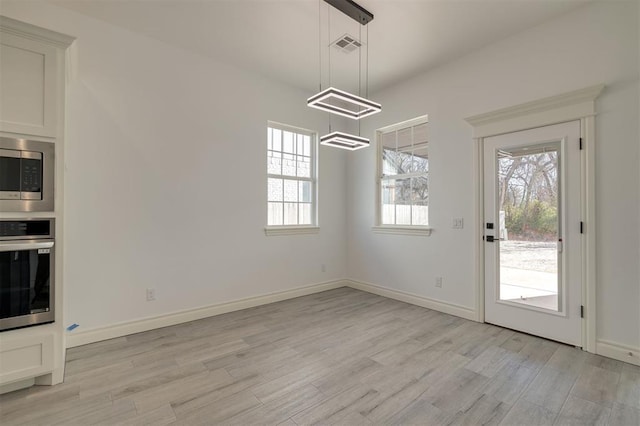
(23, 245)
(491, 238)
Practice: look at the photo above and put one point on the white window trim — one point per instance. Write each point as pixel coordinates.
(423, 231)
(291, 230)
(379, 228)
(313, 228)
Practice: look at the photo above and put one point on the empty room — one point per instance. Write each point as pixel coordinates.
(296, 212)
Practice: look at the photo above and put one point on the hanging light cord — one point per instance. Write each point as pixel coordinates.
(367, 77)
(359, 71)
(320, 41)
(329, 39)
(360, 63)
(329, 50)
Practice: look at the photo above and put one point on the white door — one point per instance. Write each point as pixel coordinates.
(532, 228)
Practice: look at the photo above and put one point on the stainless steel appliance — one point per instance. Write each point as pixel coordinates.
(26, 175)
(27, 272)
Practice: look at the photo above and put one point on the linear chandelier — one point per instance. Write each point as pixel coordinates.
(341, 102)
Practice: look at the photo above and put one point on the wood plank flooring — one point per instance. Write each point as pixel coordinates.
(338, 357)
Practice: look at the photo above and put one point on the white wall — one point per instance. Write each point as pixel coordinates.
(154, 132)
(158, 140)
(638, 38)
(594, 44)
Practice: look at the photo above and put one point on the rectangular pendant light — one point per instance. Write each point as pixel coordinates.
(344, 141)
(344, 103)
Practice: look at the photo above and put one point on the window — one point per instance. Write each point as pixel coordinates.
(403, 171)
(291, 176)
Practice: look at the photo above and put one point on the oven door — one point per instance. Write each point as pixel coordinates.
(26, 283)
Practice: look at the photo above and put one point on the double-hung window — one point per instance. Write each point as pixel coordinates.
(403, 176)
(291, 176)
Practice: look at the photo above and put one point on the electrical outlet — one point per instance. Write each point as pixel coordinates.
(457, 223)
(323, 267)
(439, 282)
(151, 294)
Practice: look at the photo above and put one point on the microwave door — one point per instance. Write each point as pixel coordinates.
(10, 164)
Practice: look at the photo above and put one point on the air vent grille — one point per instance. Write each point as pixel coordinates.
(347, 44)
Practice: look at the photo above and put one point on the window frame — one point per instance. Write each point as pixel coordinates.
(379, 227)
(313, 227)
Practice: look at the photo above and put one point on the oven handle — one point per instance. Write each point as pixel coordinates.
(23, 245)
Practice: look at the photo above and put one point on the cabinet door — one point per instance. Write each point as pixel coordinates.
(25, 357)
(27, 86)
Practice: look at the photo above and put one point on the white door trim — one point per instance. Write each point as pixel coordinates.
(576, 105)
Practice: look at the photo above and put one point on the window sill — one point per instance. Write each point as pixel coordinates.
(290, 230)
(423, 231)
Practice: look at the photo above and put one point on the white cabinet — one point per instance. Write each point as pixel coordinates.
(30, 59)
(26, 357)
(27, 86)
(32, 81)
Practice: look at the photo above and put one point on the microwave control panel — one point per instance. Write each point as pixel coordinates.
(31, 175)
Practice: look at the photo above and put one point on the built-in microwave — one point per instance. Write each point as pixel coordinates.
(26, 175)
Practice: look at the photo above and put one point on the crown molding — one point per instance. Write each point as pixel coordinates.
(551, 110)
(22, 29)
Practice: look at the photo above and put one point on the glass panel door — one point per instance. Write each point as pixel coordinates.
(532, 240)
(529, 225)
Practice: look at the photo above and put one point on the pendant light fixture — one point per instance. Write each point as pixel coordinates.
(341, 102)
(344, 103)
(344, 141)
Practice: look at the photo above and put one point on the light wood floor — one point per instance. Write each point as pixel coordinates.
(338, 357)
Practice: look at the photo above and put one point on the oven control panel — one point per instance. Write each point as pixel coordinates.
(19, 229)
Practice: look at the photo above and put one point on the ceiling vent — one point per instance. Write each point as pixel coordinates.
(347, 43)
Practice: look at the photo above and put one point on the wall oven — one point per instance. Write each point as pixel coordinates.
(26, 175)
(27, 262)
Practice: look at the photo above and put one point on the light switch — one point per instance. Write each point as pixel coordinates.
(458, 223)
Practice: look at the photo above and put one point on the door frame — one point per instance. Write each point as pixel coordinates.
(578, 105)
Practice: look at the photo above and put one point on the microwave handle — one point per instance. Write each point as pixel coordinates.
(12, 153)
(24, 245)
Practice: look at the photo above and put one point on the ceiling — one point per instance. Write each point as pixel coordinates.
(280, 38)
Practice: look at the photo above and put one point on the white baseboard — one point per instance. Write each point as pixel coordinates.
(414, 299)
(604, 348)
(137, 326)
(22, 384)
(618, 351)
